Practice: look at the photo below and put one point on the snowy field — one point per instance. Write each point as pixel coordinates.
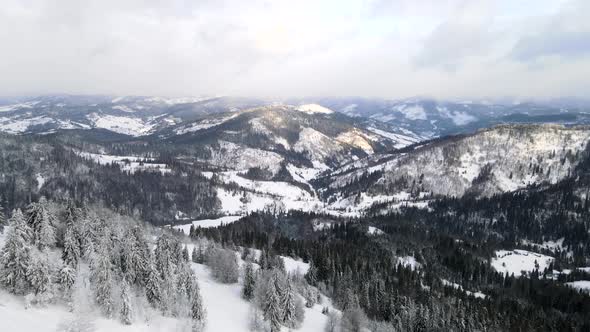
(519, 261)
(205, 223)
(129, 164)
(583, 285)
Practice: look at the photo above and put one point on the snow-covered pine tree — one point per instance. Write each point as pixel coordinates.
(249, 282)
(288, 304)
(272, 307)
(39, 272)
(195, 255)
(312, 274)
(67, 279)
(102, 277)
(198, 313)
(140, 255)
(41, 221)
(2, 217)
(126, 309)
(152, 286)
(185, 255)
(15, 257)
(292, 306)
(71, 251)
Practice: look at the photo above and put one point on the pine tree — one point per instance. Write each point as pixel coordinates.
(67, 279)
(16, 255)
(198, 313)
(71, 251)
(152, 287)
(185, 255)
(272, 306)
(249, 282)
(312, 274)
(126, 309)
(41, 221)
(38, 272)
(288, 305)
(102, 275)
(2, 217)
(195, 255)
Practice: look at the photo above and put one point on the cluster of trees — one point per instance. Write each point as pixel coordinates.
(366, 281)
(33, 167)
(90, 257)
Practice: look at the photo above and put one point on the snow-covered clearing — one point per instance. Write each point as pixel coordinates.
(205, 223)
(583, 285)
(129, 164)
(518, 261)
(375, 231)
(314, 108)
(409, 261)
(459, 287)
(121, 124)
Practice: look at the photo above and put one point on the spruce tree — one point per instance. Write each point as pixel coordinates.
(38, 272)
(126, 309)
(198, 313)
(272, 306)
(312, 274)
(195, 255)
(41, 220)
(185, 255)
(2, 217)
(288, 305)
(71, 251)
(102, 275)
(16, 255)
(153, 291)
(249, 282)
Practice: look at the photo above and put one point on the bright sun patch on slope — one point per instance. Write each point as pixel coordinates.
(314, 109)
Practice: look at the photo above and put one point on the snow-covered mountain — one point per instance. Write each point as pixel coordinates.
(138, 116)
(501, 159)
(433, 118)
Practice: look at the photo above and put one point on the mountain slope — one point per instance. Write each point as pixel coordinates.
(496, 160)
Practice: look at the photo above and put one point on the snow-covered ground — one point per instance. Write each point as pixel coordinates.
(457, 286)
(375, 231)
(314, 108)
(205, 223)
(409, 261)
(518, 261)
(129, 164)
(583, 285)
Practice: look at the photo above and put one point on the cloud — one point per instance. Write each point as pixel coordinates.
(565, 34)
(385, 48)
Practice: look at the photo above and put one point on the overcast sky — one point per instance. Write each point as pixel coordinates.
(384, 48)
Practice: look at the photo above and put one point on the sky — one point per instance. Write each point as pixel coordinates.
(285, 48)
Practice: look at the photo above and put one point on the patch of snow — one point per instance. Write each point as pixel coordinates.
(203, 124)
(40, 181)
(314, 109)
(121, 124)
(519, 262)
(357, 139)
(582, 285)
(400, 141)
(206, 223)
(375, 231)
(15, 125)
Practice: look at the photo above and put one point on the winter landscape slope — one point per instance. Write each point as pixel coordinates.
(501, 159)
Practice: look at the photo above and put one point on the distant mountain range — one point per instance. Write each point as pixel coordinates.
(141, 116)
